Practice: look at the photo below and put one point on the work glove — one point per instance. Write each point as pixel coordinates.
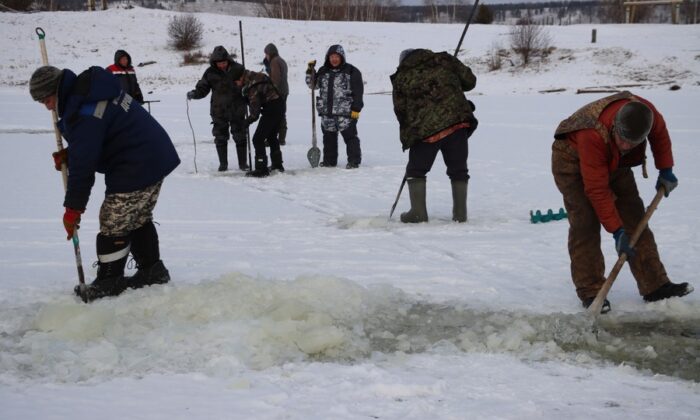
(667, 181)
(311, 66)
(355, 115)
(59, 158)
(190, 95)
(250, 120)
(71, 221)
(622, 244)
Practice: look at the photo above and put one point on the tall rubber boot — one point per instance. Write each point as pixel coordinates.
(111, 259)
(222, 151)
(242, 153)
(261, 169)
(276, 158)
(459, 201)
(416, 192)
(146, 252)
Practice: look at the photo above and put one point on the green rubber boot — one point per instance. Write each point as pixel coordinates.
(416, 192)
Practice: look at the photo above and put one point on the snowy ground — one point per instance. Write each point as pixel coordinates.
(294, 297)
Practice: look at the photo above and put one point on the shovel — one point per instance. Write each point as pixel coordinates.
(314, 154)
(597, 304)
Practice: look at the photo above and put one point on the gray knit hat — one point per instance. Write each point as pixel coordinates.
(44, 82)
(633, 122)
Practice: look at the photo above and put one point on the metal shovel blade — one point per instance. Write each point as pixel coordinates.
(314, 156)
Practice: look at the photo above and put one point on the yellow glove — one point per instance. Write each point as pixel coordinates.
(354, 115)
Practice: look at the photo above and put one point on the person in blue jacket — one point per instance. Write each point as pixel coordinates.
(109, 132)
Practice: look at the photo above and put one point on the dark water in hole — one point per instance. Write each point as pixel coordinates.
(650, 341)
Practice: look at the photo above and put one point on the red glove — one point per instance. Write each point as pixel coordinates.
(71, 221)
(60, 158)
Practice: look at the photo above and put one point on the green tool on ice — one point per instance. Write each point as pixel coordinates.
(538, 217)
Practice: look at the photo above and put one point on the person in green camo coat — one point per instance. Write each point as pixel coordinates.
(434, 115)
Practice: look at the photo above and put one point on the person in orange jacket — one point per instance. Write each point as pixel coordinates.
(592, 156)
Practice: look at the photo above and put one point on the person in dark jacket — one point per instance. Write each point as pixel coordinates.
(434, 116)
(592, 158)
(265, 103)
(124, 71)
(276, 68)
(109, 132)
(338, 104)
(227, 105)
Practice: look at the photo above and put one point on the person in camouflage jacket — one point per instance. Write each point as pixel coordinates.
(592, 158)
(227, 105)
(264, 102)
(434, 116)
(338, 104)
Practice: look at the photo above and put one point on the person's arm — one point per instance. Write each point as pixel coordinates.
(594, 160)
(358, 88)
(203, 87)
(86, 140)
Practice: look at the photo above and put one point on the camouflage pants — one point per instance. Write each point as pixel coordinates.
(122, 213)
(587, 262)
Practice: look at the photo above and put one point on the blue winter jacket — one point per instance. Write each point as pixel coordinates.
(109, 132)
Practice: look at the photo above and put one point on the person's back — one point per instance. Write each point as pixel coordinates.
(124, 71)
(428, 94)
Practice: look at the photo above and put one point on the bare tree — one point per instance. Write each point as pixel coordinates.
(185, 32)
(529, 40)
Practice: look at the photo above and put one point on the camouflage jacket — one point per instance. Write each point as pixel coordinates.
(226, 99)
(340, 90)
(427, 94)
(259, 90)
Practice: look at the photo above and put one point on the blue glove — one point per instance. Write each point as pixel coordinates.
(622, 244)
(667, 181)
(190, 95)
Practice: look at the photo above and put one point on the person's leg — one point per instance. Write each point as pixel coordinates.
(420, 159)
(220, 131)
(587, 262)
(348, 128)
(455, 151)
(646, 266)
(329, 128)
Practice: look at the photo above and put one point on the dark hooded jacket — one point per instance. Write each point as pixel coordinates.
(126, 75)
(226, 99)
(276, 68)
(258, 90)
(108, 132)
(428, 95)
(340, 88)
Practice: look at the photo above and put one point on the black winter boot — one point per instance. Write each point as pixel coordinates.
(111, 259)
(261, 169)
(669, 290)
(418, 212)
(222, 151)
(242, 152)
(144, 248)
(603, 310)
(459, 201)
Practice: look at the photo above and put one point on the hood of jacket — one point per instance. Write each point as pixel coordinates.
(335, 49)
(93, 85)
(271, 50)
(119, 54)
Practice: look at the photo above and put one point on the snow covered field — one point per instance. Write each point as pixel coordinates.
(294, 297)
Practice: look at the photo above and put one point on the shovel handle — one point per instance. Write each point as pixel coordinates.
(597, 304)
